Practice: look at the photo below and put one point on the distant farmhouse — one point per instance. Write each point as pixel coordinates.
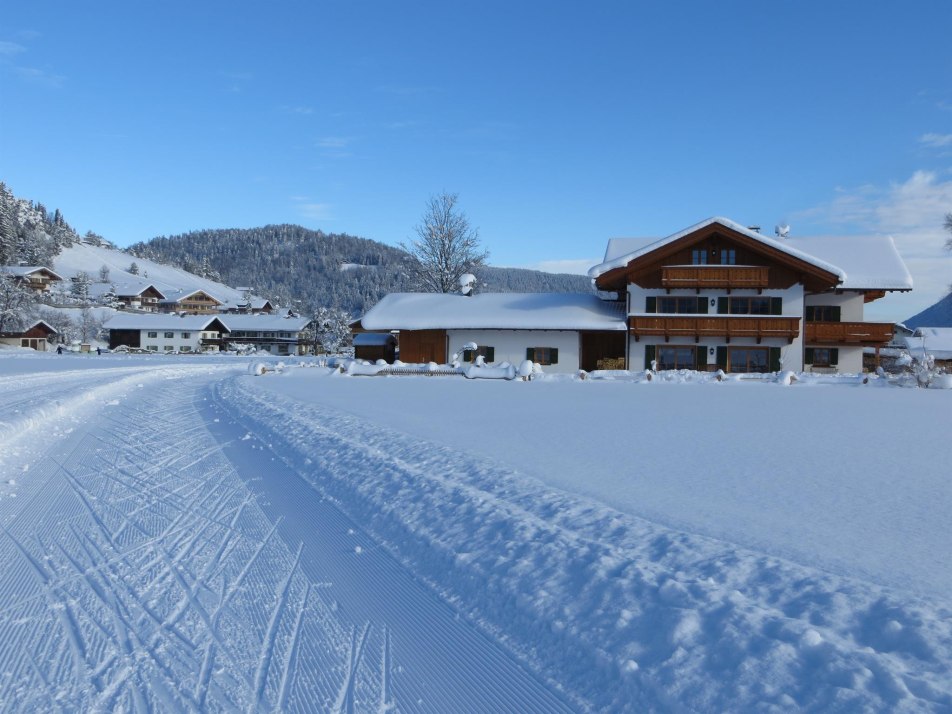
(35, 277)
(207, 333)
(716, 295)
(37, 336)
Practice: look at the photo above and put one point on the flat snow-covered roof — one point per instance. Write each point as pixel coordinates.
(265, 323)
(506, 311)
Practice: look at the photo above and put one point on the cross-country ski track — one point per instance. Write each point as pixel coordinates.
(151, 561)
(177, 534)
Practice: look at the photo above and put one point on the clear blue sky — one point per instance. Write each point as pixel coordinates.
(560, 125)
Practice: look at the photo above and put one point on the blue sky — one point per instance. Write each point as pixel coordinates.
(559, 125)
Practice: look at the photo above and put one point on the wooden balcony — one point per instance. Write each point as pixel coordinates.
(720, 277)
(867, 334)
(720, 326)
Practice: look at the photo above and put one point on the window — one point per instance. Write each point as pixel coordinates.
(699, 257)
(169, 348)
(543, 355)
(675, 357)
(488, 354)
(153, 348)
(153, 334)
(821, 356)
(169, 335)
(822, 313)
(728, 256)
(748, 359)
(185, 348)
(690, 305)
(672, 305)
(186, 335)
(757, 305)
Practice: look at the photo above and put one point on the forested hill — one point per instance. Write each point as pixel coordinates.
(295, 265)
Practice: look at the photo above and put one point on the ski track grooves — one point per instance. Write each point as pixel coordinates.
(137, 570)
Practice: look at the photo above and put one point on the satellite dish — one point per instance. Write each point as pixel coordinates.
(782, 230)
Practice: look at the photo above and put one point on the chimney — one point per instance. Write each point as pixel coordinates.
(755, 229)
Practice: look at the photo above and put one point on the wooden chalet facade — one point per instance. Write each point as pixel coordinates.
(197, 302)
(722, 296)
(35, 277)
(38, 336)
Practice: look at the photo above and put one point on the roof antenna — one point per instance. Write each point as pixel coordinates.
(782, 230)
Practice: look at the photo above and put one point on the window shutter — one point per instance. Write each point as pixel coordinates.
(469, 355)
(490, 354)
(776, 306)
(702, 306)
(774, 359)
(722, 306)
(835, 313)
(554, 355)
(809, 313)
(722, 357)
(808, 355)
(651, 304)
(834, 356)
(649, 355)
(700, 358)
(530, 354)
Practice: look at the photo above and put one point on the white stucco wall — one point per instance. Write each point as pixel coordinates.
(850, 304)
(176, 342)
(791, 354)
(510, 345)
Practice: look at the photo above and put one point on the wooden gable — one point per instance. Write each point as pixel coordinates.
(717, 241)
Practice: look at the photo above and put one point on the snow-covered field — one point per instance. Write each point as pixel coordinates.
(180, 535)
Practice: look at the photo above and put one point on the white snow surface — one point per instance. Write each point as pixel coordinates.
(529, 311)
(179, 534)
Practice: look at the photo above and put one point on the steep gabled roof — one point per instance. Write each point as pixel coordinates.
(505, 311)
(21, 271)
(152, 321)
(616, 258)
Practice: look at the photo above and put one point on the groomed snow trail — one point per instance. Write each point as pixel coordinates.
(625, 614)
(152, 559)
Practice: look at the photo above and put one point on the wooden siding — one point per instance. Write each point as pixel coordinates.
(419, 346)
(597, 348)
(869, 334)
(725, 326)
(715, 276)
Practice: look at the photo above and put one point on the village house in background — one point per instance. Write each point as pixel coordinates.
(38, 336)
(717, 295)
(35, 277)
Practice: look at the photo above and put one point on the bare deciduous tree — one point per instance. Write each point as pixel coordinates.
(446, 247)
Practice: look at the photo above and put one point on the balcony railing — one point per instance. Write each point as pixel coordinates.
(869, 334)
(721, 277)
(722, 326)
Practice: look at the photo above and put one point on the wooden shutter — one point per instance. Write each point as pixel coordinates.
(808, 355)
(490, 354)
(530, 354)
(722, 357)
(700, 358)
(834, 356)
(809, 313)
(776, 306)
(702, 306)
(553, 355)
(649, 355)
(651, 304)
(722, 306)
(835, 314)
(774, 359)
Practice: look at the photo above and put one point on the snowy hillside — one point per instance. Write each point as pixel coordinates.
(938, 315)
(180, 535)
(169, 280)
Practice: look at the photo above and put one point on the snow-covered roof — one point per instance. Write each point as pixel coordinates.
(615, 258)
(869, 262)
(507, 311)
(126, 288)
(151, 321)
(937, 340)
(22, 271)
(177, 296)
